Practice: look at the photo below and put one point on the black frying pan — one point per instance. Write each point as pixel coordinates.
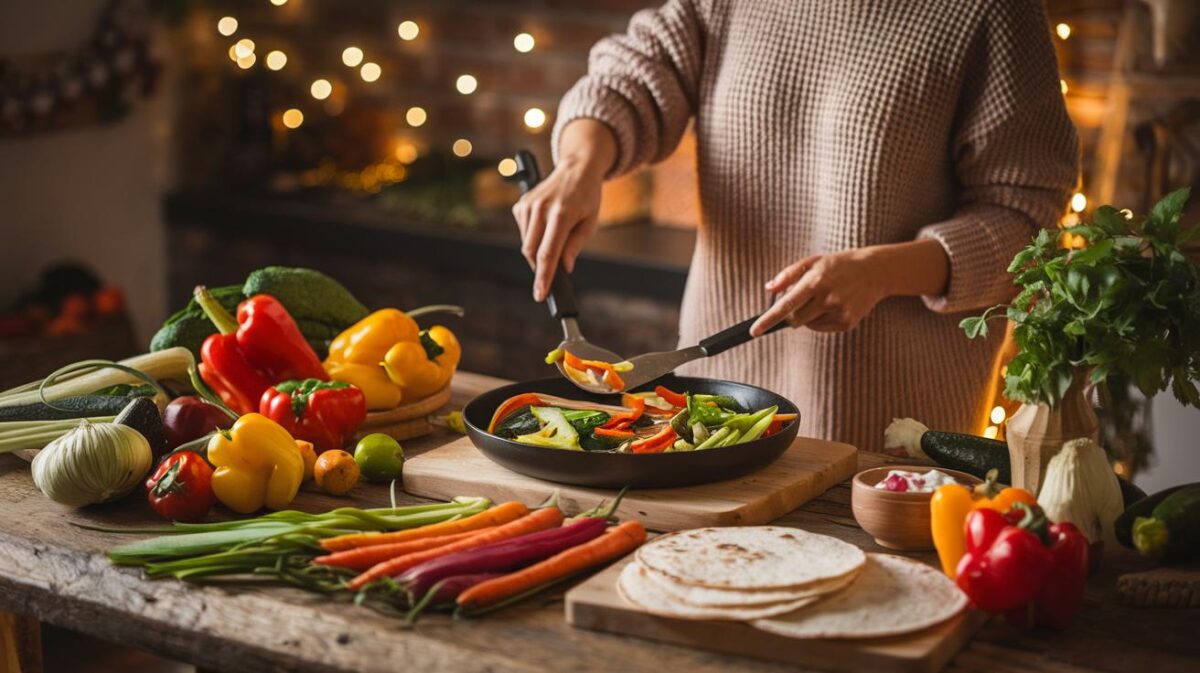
(617, 470)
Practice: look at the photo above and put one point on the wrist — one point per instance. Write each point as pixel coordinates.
(587, 148)
(908, 269)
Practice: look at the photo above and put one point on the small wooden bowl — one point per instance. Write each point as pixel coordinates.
(896, 519)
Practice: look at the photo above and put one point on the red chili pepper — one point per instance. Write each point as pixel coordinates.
(326, 413)
(260, 347)
(181, 487)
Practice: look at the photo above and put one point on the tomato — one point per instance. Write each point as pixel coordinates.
(181, 487)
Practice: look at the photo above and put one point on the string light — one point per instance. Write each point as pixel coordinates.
(370, 72)
(1078, 202)
(462, 147)
(1063, 30)
(523, 43)
(276, 60)
(352, 56)
(406, 153)
(466, 84)
(233, 53)
(408, 30)
(227, 26)
(293, 118)
(998, 414)
(246, 62)
(507, 167)
(415, 116)
(1063, 83)
(1069, 220)
(279, 3)
(244, 47)
(1126, 213)
(321, 89)
(535, 118)
(991, 432)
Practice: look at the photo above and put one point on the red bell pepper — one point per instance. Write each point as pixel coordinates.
(512, 404)
(672, 397)
(1021, 565)
(636, 407)
(260, 347)
(656, 443)
(181, 487)
(325, 413)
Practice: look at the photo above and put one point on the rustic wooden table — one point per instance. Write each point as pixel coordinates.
(57, 573)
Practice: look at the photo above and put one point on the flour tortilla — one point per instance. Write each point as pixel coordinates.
(892, 596)
(751, 557)
(637, 589)
(699, 596)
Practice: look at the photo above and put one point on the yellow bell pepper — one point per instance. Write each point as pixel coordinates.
(950, 505)
(424, 366)
(368, 340)
(377, 388)
(257, 463)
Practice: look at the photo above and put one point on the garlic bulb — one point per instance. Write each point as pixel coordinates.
(1082, 488)
(95, 462)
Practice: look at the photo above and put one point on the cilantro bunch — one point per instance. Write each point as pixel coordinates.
(1128, 302)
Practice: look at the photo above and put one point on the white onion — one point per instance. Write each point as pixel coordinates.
(95, 462)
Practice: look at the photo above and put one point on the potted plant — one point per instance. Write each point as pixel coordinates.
(1127, 301)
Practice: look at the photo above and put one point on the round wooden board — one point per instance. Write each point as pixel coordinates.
(407, 420)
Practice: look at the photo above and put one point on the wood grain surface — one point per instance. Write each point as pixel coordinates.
(57, 573)
(808, 468)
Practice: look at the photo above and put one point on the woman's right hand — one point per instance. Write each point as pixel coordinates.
(558, 215)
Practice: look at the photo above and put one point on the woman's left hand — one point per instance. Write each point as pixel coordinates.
(826, 293)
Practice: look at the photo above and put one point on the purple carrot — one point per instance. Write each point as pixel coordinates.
(500, 556)
(444, 592)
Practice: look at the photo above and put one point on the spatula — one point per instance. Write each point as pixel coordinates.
(646, 367)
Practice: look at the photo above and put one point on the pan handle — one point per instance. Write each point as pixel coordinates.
(561, 301)
(734, 336)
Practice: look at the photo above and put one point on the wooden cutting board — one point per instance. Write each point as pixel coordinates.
(804, 471)
(596, 605)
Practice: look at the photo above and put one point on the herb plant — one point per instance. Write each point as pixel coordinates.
(1127, 302)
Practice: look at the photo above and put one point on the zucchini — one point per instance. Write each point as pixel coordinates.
(142, 415)
(1144, 507)
(79, 406)
(1172, 531)
(965, 453)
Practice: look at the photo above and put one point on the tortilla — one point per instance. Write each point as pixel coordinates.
(637, 589)
(750, 557)
(892, 596)
(720, 598)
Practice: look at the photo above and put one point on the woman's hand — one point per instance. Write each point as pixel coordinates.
(558, 215)
(834, 292)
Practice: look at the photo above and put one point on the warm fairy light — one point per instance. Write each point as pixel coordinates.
(233, 53)
(352, 56)
(293, 118)
(227, 26)
(462, 147)
(279, 3)
(406, 153)
(998, 414)
(523, 43)
(1078, 202)
(535, 118)
(1126, 213)
(370, 72)
(466, 84)
(1063, 30)
(1069, 220)
(321, 89)
(1120, 469)
(415, 116)
(276, 60)
(247, 61)
(507, 167)
(1063, 83)
(408, 30)
(991, 432)
(244, 47)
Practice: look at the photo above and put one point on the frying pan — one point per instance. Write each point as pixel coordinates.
(617, 470)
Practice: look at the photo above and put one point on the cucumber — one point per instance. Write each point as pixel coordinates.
(966, 453)
(142, 415)
(79, 406)
(1142, 508)
(1172, 531)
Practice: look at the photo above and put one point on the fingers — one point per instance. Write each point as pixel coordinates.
(549, 252)
(573, 246)
(796, 297)
(788, 277)
(534, 230)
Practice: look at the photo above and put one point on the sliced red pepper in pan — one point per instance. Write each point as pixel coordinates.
(676, 399)
(615, 433)
(636, 407)
(656, 443)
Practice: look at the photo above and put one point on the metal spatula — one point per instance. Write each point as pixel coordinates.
(561, 301)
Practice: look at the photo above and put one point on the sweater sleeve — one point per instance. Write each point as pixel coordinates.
(643, 84)
(1016, 155)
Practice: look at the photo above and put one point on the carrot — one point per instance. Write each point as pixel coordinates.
(541, 519)
(614, 544)
(362, 558)
(617, 433)
(500, 514)
(512, 404)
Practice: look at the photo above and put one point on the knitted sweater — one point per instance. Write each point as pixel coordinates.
(823, 126)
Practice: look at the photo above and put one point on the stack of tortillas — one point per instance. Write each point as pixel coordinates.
(787, 581)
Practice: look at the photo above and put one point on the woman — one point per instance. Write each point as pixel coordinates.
(869, 167)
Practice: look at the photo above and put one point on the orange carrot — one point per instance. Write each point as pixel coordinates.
(614, 544)
(362, 558)
(541, 519)
(500, 514)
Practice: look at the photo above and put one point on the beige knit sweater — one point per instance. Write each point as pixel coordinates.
(826, 125)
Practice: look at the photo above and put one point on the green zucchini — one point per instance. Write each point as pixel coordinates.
(142, 415)
(966, 453)
(79, 406)
(1172, 531)
(1143, 507)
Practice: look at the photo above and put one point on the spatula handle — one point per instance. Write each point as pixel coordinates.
(561, 301)
(734, 336)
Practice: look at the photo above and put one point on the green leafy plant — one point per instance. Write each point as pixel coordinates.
(1127, 302)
